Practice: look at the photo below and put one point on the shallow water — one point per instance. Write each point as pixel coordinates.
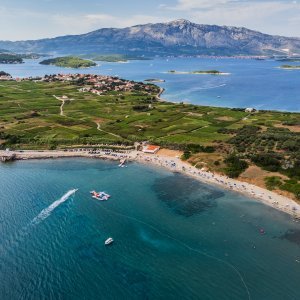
(252, 83)
(175, 238)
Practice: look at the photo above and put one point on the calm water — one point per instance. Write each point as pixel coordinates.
(174, 238)
(252, 83)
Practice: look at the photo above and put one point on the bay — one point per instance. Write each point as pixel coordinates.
(252, 83)
(175, 238)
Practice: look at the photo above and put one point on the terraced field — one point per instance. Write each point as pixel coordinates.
(220, 139)
(30, 114)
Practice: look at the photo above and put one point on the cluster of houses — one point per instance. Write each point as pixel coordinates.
(101, 84)
(5, 76)
(96, 84)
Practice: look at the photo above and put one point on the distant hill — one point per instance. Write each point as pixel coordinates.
(179, 37)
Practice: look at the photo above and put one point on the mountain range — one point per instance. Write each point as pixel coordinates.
(180, 37)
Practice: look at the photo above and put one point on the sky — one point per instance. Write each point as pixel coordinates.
(34, 19)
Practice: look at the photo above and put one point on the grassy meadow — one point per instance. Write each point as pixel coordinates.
(221, 139)
(29, 111)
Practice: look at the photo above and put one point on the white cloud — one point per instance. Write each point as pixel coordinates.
(199, 4)
(271, 16)
(34, 25)
(84, 23)
(189, 5)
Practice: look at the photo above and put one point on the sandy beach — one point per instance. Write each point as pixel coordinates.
(173, 164)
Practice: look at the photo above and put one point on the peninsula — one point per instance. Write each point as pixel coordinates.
(94, 111)
(69, 62)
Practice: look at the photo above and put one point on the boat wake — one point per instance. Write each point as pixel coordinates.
(45, 213)
(18, 238)
(195, 89)
(212, 87)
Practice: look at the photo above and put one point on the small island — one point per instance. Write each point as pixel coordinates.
(69, 62)
(289, 67)
(204, 72)
(7, 58)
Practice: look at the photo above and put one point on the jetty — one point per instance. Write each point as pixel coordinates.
(122, 162)
(6, 157)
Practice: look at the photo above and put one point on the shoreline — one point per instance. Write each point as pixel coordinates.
(158, 96)
(264, 196)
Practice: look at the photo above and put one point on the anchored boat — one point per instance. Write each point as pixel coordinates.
(109, 241)
(101, 196)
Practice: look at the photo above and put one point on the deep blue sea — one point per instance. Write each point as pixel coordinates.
(175, 238)
(252, 83)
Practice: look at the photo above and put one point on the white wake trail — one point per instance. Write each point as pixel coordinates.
(19, 236)
(45, 213)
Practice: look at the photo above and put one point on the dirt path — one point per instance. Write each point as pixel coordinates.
(99, 128)
(63, 101)
(62, 108)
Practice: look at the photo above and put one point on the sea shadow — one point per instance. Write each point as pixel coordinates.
(186, 196)
(292, 235)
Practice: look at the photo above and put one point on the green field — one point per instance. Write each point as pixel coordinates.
(30, 118)
(29, 111)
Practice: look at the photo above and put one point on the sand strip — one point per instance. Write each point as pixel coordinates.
(175, 165)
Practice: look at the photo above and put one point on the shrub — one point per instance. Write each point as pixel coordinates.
(235, 166)
(273, 182)
(186, 155)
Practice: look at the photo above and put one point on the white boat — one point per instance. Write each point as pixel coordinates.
(122, 163)
(109, 241)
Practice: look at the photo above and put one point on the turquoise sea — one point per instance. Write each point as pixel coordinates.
(252, 83)
(175, 238)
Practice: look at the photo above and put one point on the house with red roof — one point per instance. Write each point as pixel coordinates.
(151, 149)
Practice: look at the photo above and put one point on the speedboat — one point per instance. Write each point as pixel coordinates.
(109, 241)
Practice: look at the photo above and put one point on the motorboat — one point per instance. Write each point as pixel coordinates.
(109, 241)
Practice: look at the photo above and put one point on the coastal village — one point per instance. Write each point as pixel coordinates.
(101, 84)
(96, 84)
